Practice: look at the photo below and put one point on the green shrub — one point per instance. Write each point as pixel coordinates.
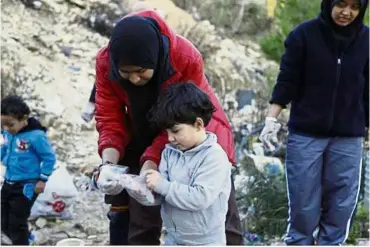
(265, 201)
(360, 226)
(288, 14)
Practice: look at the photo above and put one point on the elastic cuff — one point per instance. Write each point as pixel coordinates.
(44, 177)
(163, 188)
(103, 164)
(105, 146)
(277, 102)
(271, 119)
(93, 182)
(143, 159)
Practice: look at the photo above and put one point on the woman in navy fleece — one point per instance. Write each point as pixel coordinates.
(324, 74)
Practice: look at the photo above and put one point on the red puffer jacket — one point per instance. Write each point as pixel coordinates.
(113, 109)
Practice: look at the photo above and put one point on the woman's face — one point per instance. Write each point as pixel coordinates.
(345, 12)
(136, 75)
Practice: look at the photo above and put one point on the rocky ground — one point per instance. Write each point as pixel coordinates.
(47, 53)
(48, 58)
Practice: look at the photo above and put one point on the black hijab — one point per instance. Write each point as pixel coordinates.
(348, 31)
(137, 41)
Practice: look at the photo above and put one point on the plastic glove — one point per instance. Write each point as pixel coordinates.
(136, 188)
(83, 183)
(269, 133)
(88, 112)
(108, 179)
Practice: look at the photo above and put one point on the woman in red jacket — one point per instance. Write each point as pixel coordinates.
(142, 58)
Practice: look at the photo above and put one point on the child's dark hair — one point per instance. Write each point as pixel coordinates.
(181, 103)
(14, 106)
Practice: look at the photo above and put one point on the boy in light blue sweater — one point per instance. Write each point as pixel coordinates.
(194, 172)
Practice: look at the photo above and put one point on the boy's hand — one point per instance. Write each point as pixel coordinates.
(40, 187)
(153, 178)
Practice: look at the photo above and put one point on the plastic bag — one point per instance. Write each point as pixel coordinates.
(5, 240)
(59, 195)
(136, 188)
(108, 180)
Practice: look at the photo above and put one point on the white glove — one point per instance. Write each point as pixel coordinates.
(108, 180)
(269, 133)
(83, 183)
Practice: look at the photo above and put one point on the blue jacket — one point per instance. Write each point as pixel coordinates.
(28, 154)
(328, 85)
(196, 189)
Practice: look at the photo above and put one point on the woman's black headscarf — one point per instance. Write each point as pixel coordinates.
(347, 31)
(137, 41)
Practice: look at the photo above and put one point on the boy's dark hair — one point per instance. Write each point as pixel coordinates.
(14, 106)
(181, 103)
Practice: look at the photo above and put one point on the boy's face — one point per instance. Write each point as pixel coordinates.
(187, 136)
(345, 12)
(12, 124)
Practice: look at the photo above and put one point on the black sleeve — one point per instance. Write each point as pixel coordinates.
(92, 95)
(291, 70)
(366, 94)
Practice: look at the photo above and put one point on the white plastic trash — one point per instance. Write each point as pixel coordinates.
(71, 242)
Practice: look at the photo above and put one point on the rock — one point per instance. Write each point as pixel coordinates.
(59, 236)
(41, 236)
(244, 97)
(102, 18)
(63, 127)
(81, 235)
(362, 242)
(52, 6)
(89, 242)
(91, 230)
(66, 50)
(41, 223)
(88, 126)
(37, 4)
(78, 3)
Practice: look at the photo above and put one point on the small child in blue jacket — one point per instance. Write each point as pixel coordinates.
(194, 171)
(29, 160)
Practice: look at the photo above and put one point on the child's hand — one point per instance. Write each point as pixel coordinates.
(40, 187)
(153, 178)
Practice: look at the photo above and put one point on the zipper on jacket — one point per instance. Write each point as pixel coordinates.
(173, 222)
(337, 81)
(10, 152)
